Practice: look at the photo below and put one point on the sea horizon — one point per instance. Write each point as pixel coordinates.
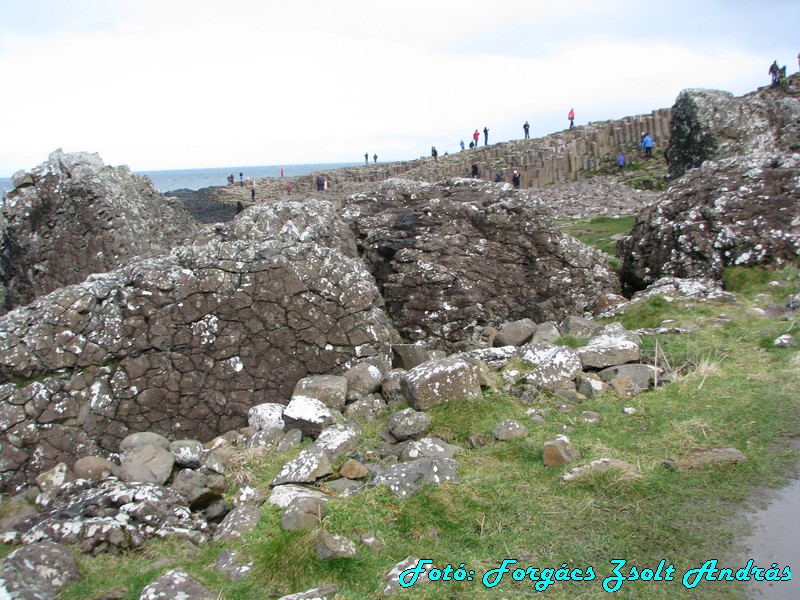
(169, 180)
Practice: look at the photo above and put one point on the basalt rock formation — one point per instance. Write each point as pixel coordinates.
(188, 341)
(737, 200)
(73, 216)
(454, 257)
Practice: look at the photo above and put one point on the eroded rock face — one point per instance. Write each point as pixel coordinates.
(735, 212)
(73, 216)
(186, 342)
(458, 255)
(737, 199)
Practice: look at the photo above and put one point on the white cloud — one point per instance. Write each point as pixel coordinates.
(157, 84)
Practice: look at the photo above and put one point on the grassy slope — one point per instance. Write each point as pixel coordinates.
(735, 390)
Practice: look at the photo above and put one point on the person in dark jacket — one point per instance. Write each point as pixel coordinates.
(515, 178)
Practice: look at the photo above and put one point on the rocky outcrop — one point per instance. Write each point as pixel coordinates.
(739, 199)
(73, 216)
(186, 342)
(454, 257)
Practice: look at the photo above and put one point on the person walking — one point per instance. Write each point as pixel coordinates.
(571, 117)
(620, 161)
(648, 146)
(475, 137)
(485, 136)
(527, 129)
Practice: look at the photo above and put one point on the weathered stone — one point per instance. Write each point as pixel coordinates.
(546, 333)
(311, 464)
(143, 438)
(282, 495)
(642, 377)
(94, 468)
(607, 350)
(338, 440)
(589, 417)
(248, 495)
(267, 437)
(785, 341)
(366, 410)
(176, 583)
(409, 423)
(149, 464)
(363, 379)
(352, 469)
(51, 480)
(331, 546)
(309, 415)
(579, 327)
(427, 448)
(515, 333)
(228, 563)
(553, 365)
(510, 430)
(559, 451)
(266, 416)
(406, 479)
(698, 457)
(291, 439)
(331, 390)
(442, 380)
(597, 466)
(38, 571)
(239, 522)
(393, 576)
(408, 356)
(590, 385)
(304, 512)
(187, 453)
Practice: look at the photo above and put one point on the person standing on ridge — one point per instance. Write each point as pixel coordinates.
(375, 158)
(366, 158)
(434, 154)
(485, 136)
(462, 145)
(571, 117)
(476, 136)
(281, 172)
(527, 129)
(773, 72)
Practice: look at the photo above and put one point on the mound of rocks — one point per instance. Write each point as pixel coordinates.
(736, 198)
(187, 341)
(456, 256)
(73, 216)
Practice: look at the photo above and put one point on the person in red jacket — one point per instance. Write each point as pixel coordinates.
(571, 117)
(476, 136)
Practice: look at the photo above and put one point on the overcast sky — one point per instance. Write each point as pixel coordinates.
(163, 84)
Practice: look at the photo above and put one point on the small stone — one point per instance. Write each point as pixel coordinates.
(510, 430)
(559, 451)
(334, 546)
(352, 469)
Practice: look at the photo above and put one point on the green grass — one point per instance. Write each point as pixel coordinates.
(598, 232)
(732, 391)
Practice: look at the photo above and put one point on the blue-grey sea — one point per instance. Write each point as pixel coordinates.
(195, 179)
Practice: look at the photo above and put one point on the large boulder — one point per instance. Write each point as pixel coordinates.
(73, 216)
(735, 199)
(186, 342)
(454, 257)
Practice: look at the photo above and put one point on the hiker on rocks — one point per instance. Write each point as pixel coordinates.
(620, 161)
(281, 171)
(782, 77)
(474, 170)
(515, 178)
(241, 179)
(571, 117)
(527, 129)
(498, 177)
(230, 179)
(462, 145)
(434, 154)
(773, 72)
(475, 137)
(366, 158)
(375, 158)
(320, 183)
(471, 145)
(253, 192)
(648, 146)
(288, 188)
(240, 206)
(485, 136)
